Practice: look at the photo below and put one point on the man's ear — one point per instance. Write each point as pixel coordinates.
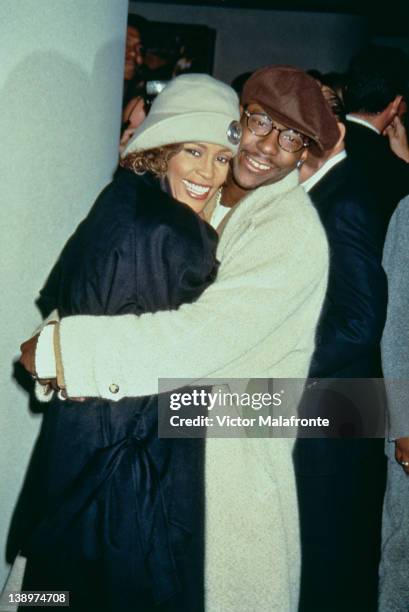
(392, 110)
(342, 130)
(395, 104)
(241, 109)
(304, 155)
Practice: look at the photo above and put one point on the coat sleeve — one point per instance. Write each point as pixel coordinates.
(395, 340)
(175, 262)
(253, 299)
(354, 310)
(47, 301)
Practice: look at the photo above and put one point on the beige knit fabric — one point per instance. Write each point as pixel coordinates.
(252, 534)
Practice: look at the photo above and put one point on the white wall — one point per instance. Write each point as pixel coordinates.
(247, 39)
(61, 76)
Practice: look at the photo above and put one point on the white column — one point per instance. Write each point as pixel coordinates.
(61, 74)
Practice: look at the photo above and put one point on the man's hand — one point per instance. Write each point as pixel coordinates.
(402, 453)
(28, 353)
(398, 139)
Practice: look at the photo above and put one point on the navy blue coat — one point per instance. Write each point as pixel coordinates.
(379, 166)
(354, 311)
(341, 481)
(110, 512)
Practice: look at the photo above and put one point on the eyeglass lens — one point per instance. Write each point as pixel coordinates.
(262, 125)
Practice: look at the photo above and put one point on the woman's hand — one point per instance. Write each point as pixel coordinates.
(402, 453)
(28, 353)
(27, 360)
(398, 139)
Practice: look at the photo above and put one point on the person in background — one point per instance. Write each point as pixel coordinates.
(341, 481)
(376, 84)
(132, 116)
(336, 81)
(394, 568)
(397, 132)
(134, 79)
(256, 321)
(111, 513)
(137, 110)
(239, 81)
(162, 52)
(134, 92)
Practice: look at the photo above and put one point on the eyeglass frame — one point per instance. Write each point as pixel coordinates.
(248, 114)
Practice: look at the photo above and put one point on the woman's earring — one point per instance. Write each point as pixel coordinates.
(300, 163)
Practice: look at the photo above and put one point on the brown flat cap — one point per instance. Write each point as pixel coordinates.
(294, 99)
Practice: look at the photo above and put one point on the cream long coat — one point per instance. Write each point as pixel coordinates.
(256, 321)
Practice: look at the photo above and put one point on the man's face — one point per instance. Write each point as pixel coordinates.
(133, 52)
(260, 160)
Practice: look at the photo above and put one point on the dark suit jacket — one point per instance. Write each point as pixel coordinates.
(388, 174)
(340, 481)
(354, 311)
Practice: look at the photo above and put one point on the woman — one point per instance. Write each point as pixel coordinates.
(115, 514)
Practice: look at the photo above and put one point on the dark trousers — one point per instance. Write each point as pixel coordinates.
(340, 485)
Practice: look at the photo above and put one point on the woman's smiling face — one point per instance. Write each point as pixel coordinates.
(197, 171)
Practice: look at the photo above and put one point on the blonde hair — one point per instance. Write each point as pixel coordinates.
(154, 161)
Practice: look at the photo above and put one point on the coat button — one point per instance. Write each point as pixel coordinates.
(113, 388)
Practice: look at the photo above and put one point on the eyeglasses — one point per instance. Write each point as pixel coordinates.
(261, 125)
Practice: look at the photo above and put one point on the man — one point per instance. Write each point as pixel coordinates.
(355, 306)
(341, 482)
(133, 81)
(376, 84)
(394, 569)
(256, 321)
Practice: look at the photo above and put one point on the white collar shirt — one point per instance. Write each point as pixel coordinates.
(330, 163)
(360, 121)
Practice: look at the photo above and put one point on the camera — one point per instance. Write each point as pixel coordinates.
(152, 89)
